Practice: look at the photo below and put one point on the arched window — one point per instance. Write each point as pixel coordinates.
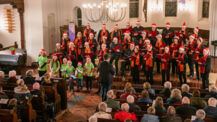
(205, 9)
(170, 8)
(79, 17)
(134, 8)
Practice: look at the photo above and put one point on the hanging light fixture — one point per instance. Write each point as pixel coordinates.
(106, 10)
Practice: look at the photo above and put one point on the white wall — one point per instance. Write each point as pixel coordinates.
(6, 38)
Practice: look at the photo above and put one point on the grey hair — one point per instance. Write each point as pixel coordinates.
(125, 107)
(130, 99)
(12, 73)
(200, 114)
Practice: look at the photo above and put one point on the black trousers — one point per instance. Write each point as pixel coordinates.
(116, 58)
(158, 62)
(197, 71)
(149, 75)
(124, 64)
(89, 83)
(182, 76)
(191, 64)
(165, 75)
(174, 66)
(41, 73)
(135, 74)
(205, 80)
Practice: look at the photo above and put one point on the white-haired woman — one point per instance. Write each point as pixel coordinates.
(212, 92)
(102, 111)
(185, 91)
(12, 77)
(124, 114)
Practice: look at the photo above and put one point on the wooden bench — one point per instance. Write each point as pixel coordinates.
(7, 115)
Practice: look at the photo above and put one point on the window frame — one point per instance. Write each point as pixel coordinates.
(138, 14)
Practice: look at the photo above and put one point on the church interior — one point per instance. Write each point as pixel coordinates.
(108, 61)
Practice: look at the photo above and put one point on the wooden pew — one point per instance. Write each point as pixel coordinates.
(28, 113)
(7, 115)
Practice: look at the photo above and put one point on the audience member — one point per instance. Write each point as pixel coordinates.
(46, 80)
(150, 116)
(158, 104)
(167, 89)
(147, 86)
(185, 91)
(129, 84)
(211, 109)
(145, 97)
(196, 101)
(2, 94)
(124, 113)
(92, 119)
(12, 77)
(175, 97)
(29, 79)
(111, 103)
(200, 115)
(2, 76)
(171, 115)
(102, 111)
(36, 89)
(133, 106)
(212, 92)
(21, 91)
(129, 91)
(186, 108)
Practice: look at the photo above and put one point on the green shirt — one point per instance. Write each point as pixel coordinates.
(63, 67)
(54, 67)
(88, 68)
(70, 70)
(79, 71)
(41, 60)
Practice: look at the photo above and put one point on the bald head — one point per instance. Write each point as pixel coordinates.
(185, 100)
(212, 102)
(125, 107)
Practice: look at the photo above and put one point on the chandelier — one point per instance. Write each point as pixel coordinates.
(104, 11)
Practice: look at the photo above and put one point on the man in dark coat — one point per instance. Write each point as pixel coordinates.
(106, 72)
(29, 79)
(186, 108)
(211, 109)
(168, 34)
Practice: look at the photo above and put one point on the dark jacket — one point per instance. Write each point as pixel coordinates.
(106, 72)
(211, 94)
(173, 101)
(29, 80)
(149, 118)
(3, 95)
(211, 111)
(112, 104)
(12, 80)
(166, 92)
(160, 110)
(186, 109)
(186, 94)
(198, 120)
(134, 108)
(146, 100)
(171, 118)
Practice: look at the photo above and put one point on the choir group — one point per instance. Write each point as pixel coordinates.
(139, 49)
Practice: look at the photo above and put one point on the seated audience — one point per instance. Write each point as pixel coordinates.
(185, 91)
(2, 94)
(29, 79)
(186, 108)
(147, 86)
(2, 76)
(158, 104)
(167, 89)
(212, 92)
(124, 114)
(46, 80)
(145, 97)
(196, 101)
(200, 115)
(102, 111)
(171, 116)
(12, 77)
(211, 109)
(21, 91)
(150, 116)
(111, 103)
(12, 103)
(175, 97)
(129, 84)
(133, 106)
(129, 91)
(36, 89)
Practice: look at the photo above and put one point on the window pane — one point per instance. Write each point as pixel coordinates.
(171, 8)
(79, 17)
(205, 10)
(134, 8)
